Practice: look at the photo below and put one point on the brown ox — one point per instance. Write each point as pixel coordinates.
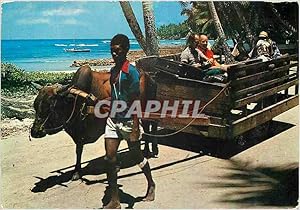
(57, 109)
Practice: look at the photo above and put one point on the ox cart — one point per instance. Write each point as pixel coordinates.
(255, 92)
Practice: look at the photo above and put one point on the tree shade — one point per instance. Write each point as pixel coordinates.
(245, 19)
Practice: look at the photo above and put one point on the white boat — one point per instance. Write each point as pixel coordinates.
(77, 50)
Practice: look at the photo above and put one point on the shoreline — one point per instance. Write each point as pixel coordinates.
(74, 69)
(132, 56)
(99, 64)
(22, 107)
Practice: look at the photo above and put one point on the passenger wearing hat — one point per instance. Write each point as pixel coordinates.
(263, 48)
(263, 34)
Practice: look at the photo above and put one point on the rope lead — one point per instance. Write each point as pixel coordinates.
(178, 131)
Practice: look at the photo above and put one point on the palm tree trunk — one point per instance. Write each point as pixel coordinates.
(133, 24)
(244, 22)
(228, 57)
(150, 29)
(223, 9)
(277, 15)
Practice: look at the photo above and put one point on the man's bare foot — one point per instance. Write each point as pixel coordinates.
(150, 196)
(113, 205)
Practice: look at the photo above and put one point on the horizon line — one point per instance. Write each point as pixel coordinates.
(54, 38)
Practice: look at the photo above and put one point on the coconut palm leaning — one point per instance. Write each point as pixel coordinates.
(133, 23)
(150, 43)
(222, 38)
(150, 29)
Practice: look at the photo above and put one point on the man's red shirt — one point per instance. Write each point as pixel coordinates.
(209, 54)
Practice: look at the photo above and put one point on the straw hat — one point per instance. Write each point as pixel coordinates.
(263, 34)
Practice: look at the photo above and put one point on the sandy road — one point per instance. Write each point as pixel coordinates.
(188, 173)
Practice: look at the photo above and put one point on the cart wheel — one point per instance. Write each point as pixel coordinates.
(253, 136)
(230, 147)
(240, 140)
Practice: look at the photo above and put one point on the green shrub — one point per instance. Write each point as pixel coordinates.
(11, 76)
(44, 78)
(17, 81)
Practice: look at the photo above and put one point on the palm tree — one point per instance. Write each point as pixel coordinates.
(274, 18)
(150, 29)
(278, 17)
(198, 17)
(133, 24)
(280, 20)
(150, 43)
(225, 16)
(222, 38)
(249, 36)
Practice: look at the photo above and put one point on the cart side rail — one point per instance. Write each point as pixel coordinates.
(260, 91)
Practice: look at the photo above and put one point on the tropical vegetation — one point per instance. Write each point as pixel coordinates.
(173, 31)
(18, 81)
(237, 20)
(244, 19)
(18, 90)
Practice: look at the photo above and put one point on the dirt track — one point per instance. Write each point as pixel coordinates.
(35, 174)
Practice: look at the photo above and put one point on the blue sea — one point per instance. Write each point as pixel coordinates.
(50, 55)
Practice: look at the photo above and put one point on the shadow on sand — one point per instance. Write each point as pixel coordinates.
(97, 167)
(264, 186)
(124, 198)
(220, 148)
(260, 186)
(184, 141)
(94, 167)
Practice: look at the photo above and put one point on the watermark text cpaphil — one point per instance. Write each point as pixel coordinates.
(160, 109)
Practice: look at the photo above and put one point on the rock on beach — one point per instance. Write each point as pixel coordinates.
(132, 56)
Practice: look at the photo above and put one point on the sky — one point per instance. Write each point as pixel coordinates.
(75, 20)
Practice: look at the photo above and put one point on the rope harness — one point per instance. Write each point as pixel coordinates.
(83, 114)
(64, 124)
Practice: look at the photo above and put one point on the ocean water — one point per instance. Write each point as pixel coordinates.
(50, 55)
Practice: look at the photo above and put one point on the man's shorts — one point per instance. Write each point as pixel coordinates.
(120, 130)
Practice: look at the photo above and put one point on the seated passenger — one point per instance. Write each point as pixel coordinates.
(191, 55)
(212, 72)
(263, 48)
(206, 53)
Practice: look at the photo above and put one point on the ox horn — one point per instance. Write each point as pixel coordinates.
(36, 85)
(62, 88)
